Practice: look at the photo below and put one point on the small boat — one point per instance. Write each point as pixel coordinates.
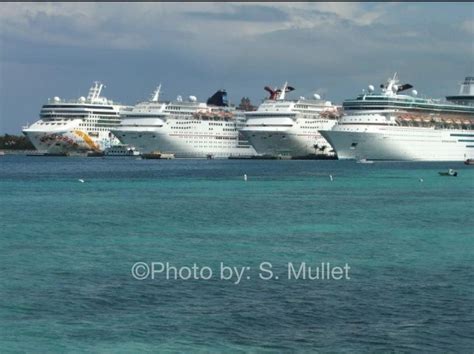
(121, 150)
(469, 162)
(167, 156)
(364, 161)
(95, 154)
(56, 154)
(450, 173)
(156, 155)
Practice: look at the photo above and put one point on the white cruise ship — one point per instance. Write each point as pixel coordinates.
(402, 127)
(290, 128)
(76, 125)
(187, 129)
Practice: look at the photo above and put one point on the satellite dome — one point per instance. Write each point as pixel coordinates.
(302, 98)
(82, 99)
(56, 99)
(192, 98)
(179, 98)
(414, 92)
(371, 88)
(316, 96)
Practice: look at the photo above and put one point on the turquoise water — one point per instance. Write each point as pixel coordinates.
(67, 249)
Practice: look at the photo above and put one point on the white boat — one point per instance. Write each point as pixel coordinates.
(403, 127)
(121, 150)
(290, 128)
(365, 161)
(78, 125)
(185, 128)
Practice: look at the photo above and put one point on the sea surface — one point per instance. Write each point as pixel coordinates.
(67, 249)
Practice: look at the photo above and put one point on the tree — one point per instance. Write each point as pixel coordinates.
(246, 105)
(13, 142)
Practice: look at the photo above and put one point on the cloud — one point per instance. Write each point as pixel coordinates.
(252, 13)
(122, 25)
(468, 26)
(195, 47)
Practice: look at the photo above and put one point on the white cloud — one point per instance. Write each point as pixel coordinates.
(340, 47)
(468, 27)
(137, 25)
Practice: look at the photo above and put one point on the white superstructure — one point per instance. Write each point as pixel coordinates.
(76, 125)
(290, 128)
(185, 128)
(393, 126)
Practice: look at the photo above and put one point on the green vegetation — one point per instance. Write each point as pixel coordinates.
(246, 105)
(14, 142)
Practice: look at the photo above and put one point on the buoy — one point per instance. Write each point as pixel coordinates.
(421, 179)
(245, 177)
(81, 180)
(330, 177)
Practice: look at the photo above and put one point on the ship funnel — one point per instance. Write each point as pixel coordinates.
(467, 87)
(218, 99)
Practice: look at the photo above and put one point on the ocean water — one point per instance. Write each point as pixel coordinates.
(67, 249)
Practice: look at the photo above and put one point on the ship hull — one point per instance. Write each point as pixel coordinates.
(69, 141)
(284, 143)
(184, 145)
(291, 142)
(401, 143)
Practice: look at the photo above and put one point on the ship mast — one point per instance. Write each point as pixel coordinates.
(94, 91)
(283, 91)
(156, 94)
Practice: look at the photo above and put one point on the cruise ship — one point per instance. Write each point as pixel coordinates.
(290, 128)
(78, 125)
(185, 128)
(391, 125)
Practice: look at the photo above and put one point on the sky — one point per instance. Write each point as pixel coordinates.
(334, 49)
